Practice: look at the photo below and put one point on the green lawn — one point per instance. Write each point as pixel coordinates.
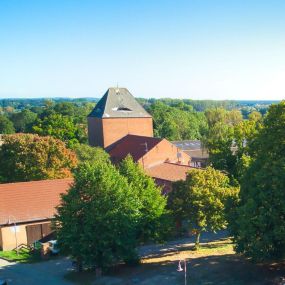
(24, 255)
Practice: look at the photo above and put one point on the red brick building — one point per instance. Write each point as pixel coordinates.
(147, 151)
(121, 126)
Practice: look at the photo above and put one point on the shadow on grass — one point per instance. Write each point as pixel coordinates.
(211, 270)
(177, 244)
(203, 247)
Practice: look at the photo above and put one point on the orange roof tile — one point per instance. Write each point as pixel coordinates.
(168, 171)
(30, 201)
(36, 200)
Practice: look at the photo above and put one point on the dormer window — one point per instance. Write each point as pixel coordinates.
(124, 109)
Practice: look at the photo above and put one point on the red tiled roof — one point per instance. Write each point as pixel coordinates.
(30, 201)
(168, 171)
(136, 146)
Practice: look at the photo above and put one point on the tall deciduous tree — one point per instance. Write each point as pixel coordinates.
(201, 200)
(177, 122)
(25, 157)
(151, 202)
(108, 211)
(23, 121)
(60, 127)
(227, 140)
(86, 153)
(219, 138)
(260, 226)
(97, 219)
(6, 126)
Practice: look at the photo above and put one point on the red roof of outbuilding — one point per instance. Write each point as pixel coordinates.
(136, 146)
(168, 171)
(30, 201)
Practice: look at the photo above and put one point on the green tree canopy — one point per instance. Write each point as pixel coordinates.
(260, 227)
(6, 126)
(97, 218)
(255, 116)
(60, 127)
(201, 200)
(86, 153)
(26, 157)
(177, 122)
(108, 211)
(78, 112)
(23, 121)
(151, 202)
(227, 139)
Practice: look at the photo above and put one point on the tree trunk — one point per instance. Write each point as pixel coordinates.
(178, 226)
(197, 243)
(98, 272)
(79, 265)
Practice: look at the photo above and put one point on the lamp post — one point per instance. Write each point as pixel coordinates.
(180, 269)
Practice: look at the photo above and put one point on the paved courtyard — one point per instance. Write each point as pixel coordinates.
(53, 271)
(215, 265)
(43, 273)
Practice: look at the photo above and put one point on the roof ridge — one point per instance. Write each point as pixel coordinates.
(106, 102)
(36, 181)
(149, 137)
(178, 164)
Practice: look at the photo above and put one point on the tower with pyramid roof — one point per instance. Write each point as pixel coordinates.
(116, 115)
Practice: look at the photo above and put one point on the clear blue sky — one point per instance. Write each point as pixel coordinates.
(199, 49)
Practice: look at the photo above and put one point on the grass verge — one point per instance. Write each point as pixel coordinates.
(24, 256)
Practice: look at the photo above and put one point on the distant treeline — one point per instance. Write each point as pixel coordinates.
(23, 103)
(65, 118)
(198, 105)
(202, 105)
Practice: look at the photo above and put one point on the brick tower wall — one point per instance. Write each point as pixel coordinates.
(95, 131)
(116, 128)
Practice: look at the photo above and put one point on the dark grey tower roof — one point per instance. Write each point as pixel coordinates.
(118, 103)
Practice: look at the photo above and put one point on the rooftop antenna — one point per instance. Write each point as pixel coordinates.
(146, 148)
(146, 151)
(117, 89)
